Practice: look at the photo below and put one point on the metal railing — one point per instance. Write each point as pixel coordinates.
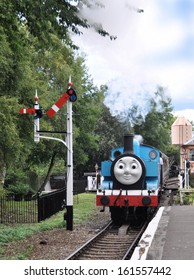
(18, 211)
(51, 203)
(29, 210)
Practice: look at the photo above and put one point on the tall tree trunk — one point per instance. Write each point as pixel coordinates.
(2, 173)
(52, 163)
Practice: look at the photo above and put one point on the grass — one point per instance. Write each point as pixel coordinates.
(188, 198)
(84, 206)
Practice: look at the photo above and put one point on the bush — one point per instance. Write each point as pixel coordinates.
(3, 193)
(21, 191)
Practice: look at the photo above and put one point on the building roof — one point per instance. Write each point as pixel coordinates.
(181, 121)
(190, 142)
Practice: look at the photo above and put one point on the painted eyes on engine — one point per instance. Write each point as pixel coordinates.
(133, 166)
(121, 166)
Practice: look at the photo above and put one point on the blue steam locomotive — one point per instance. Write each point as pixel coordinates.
(132, 179)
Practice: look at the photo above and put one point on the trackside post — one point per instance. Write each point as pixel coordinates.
(68, 97)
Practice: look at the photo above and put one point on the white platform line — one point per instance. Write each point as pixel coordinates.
(145, 242)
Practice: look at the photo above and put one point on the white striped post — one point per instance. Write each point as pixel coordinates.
(69, 198)
(36, 120)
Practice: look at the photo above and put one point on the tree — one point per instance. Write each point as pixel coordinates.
(110, 131)
(10, 144)
(28, 64)
(156, 127)
(36, 53)
(12, 43)
(59, 17)
(86, 114)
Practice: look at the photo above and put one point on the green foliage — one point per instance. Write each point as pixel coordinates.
(3, 193)
(187, 198)
(45, 18)
(173, 152)
(6, 60)
(156, 126)
(110, 131)
(10, 144)
(18, 189)
(41, 61)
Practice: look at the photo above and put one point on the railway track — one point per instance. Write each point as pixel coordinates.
(118, 243)
(112, 242)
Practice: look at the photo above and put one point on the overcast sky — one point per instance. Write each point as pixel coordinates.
(155, 47)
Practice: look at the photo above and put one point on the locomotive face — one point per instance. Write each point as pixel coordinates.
(127, 170)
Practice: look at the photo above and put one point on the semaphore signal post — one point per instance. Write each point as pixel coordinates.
(68, 97)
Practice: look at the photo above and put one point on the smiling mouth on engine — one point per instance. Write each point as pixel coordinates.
(127, 177)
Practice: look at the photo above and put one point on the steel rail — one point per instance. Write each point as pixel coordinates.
(85, 245)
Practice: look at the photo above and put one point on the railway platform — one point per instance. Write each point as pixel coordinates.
(169, 236)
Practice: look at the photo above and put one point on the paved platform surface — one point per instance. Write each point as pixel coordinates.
(174, 237)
